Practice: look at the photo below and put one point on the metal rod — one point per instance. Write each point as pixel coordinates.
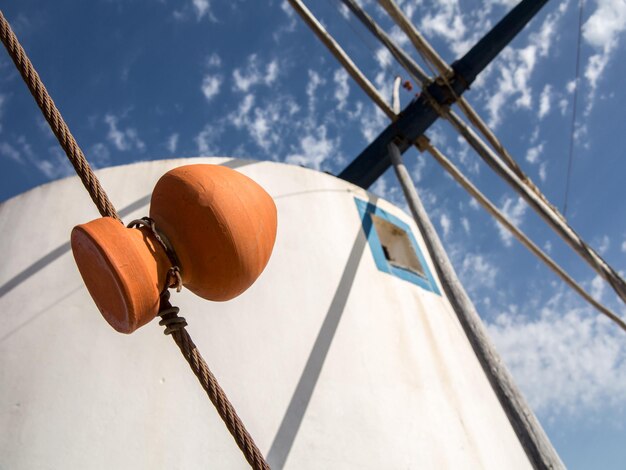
(547, 212)
(402, 57)
(395, 95)
(372, 162)
(430, 55)
(518, 180)
(418, 116)
(423, 143)
(422, 45)
(530, 433)
(418, 41)
(342, 57)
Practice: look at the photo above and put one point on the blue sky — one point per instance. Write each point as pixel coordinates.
(150, 79)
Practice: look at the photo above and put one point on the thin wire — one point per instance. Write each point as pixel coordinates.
(336, 4)
(573, 123)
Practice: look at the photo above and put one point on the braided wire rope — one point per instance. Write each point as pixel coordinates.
(175, 326)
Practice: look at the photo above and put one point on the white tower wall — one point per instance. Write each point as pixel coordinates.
(330, 362)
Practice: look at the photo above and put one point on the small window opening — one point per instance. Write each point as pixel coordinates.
(397, 246)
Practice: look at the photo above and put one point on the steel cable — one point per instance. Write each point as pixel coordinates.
(174, 324)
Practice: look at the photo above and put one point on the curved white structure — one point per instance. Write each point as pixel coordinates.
(338, 357)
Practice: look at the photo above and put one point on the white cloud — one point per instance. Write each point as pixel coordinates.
(211, 86)
(516, 66)
(392, 192)
(263, 126)
(239, 117)
(543, 171)
(202, 8)
(597, 287)
(342, 89)
(314, 82)
(56, 167)
(383, 57)
(474, 204)
(373, 121)
(605, 24)
(99, 155)
(123, 139)
(602, 31)
(345, 11)
(27, 150)
(420, 165)
(446, 224)
(384, 83)
(205, 140)
(595, 67)
(477, 272)
(314, 149)
(566, 361)
(514, 79)
(447, 23)
(287, 9)
(44, 127)
(466, 225)
(10, 152)
(255, 74)
(603, 244)
(535, 135)
(514, 211)
(272, 72)
(437, 136)
(266, 123)
(291, 21)
(196, 8)
(172, 143)
(462, 153)
(544, 101)
(355, 113)
(532, 156)
(214, 61)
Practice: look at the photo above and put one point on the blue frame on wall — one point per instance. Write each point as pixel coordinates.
(365, 209)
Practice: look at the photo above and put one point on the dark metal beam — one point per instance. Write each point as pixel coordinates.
(492, 43)
(374, 160)
(418, 116)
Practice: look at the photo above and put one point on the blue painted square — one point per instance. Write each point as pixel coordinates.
(366, 210)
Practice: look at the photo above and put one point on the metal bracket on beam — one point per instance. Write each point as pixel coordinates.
(418, 116)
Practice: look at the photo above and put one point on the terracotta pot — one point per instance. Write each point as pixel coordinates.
(124, 271)
(220, 223)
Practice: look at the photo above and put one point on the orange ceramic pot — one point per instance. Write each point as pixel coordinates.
(124, 270)
(220, 223)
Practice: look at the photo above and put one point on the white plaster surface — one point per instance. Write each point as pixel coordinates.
(393, 382)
